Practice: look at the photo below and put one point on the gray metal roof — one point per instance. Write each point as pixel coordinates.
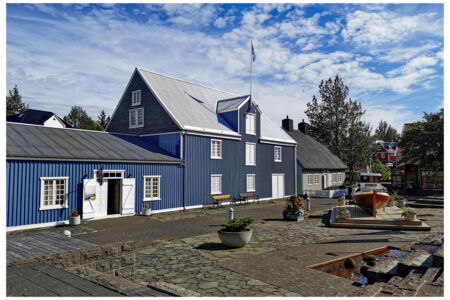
(193, 106)
(231, 104)
(40, 142)
(313, 155)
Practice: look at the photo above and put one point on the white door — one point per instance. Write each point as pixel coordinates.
(277, 185)
(128, 191)
(95, 199)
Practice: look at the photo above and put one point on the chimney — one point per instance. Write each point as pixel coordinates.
(303, 127)
(288, 124)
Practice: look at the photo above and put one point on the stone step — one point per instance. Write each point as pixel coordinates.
(431, 274)
(411, 284)
(438, 257)
(381, 271)
(415, 260)
(426, 200)
(424, 205)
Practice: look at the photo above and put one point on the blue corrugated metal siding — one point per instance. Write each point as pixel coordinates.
(168, 142)
(24, 187)
(231, 118)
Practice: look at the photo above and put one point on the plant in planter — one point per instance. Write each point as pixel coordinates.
(294, 209)
(400, 200)
(235, 233)
(409, 214)
(146, 210)
(341, 201)
(343, 213)
(74, 218)
(392, 202)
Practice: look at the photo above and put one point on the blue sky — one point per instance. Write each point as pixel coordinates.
(389, 55)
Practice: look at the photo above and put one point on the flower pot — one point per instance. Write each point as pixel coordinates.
(235, 239)
(410, 217)
(288, 217)
(74, 220)
(146, 211)
(391, 204)
(343, 216)
(341, 203)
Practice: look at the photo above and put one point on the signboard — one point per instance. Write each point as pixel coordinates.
(89, 192)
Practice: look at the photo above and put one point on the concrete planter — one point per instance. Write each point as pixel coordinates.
(410, 218)
(235, 239)
(294, 218)
(391, 203)
(146, 211)
(74, 221)
(341, 203)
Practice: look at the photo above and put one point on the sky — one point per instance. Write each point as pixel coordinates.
(389, 55)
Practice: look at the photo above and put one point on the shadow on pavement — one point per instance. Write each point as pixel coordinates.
(355, 241)
(212, 247)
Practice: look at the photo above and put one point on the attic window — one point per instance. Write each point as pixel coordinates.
(136, 98)
(136, 117)
(250, 124)
(277, 153)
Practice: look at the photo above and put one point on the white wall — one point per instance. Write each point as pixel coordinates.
(319, 185)
(54, 122)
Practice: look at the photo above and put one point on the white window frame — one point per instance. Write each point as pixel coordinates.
(213, 155)
(333, 177)
(316, 178)
(135, 97)
(135, 112)
(58, 206)
(247, 163)
(151, 188)
(382, 155)
(309, 179)
(220, 184)
(250, 124)
(254, 183)
(279, 148)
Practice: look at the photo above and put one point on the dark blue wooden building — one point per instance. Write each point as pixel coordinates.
(170, 143)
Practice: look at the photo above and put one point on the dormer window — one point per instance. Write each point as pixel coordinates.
(250, 124)
(277, 153)
(136, 117)
(136, 98)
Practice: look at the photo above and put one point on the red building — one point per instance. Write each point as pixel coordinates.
(387, 152)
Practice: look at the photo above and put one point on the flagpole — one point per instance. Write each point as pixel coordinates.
(251, 68)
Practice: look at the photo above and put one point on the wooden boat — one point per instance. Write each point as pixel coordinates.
(370, 193)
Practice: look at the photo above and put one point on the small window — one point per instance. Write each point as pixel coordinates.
(250, 124)
(277, 153)
(309, 179)
(251, 184)
(136, 98)
(152, 187)
(216, 149)
(382, 155)
(54, 192)
(216, 184)
(136, 117)
(250, 154)
(316, 178)
(333, 177)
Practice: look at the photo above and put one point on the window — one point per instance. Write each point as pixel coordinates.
(333, 177)
(54, 192)
(250, 154)
(309, 179)
(216, 149)
(250, 124)
(112, 174)
(152, 188)
(316, 178)
(251, 184)
(339, 177)
(277, 153)
(135, 97)
(136, 117)
(216, 184)
(382, 155)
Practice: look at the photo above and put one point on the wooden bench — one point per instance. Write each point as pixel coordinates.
(244, 197)
(217, 200)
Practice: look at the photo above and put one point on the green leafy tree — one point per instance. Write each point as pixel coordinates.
(78, 118)
(386, 132)
(379, 167)
(336, 122)
(103, 119)
(423, 141)
(14, 104)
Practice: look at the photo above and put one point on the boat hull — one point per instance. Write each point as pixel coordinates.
(371, 199)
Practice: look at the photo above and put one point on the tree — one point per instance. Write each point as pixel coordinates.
(336, 123)
(103, 119)
(379, 167)
(14, 104)
(78, 118)
(423, 141)
(386, 132)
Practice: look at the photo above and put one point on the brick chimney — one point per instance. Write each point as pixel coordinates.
(288, 124)
(303, 127)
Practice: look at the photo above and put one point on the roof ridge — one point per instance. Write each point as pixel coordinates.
(183, 80)
(66, 128)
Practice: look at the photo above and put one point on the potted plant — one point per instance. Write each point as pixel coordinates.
(409, 214)
(146, 210)
(235, 233)
(392, 202)
(74, 218)
(294, 210)
(343, 213)
(341, 201)
(400, 200)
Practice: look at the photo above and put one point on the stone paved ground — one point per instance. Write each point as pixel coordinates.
(275, 262)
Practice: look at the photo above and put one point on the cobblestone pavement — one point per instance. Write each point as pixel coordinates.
(275, 262)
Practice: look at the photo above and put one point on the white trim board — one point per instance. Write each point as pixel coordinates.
(39, 225)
